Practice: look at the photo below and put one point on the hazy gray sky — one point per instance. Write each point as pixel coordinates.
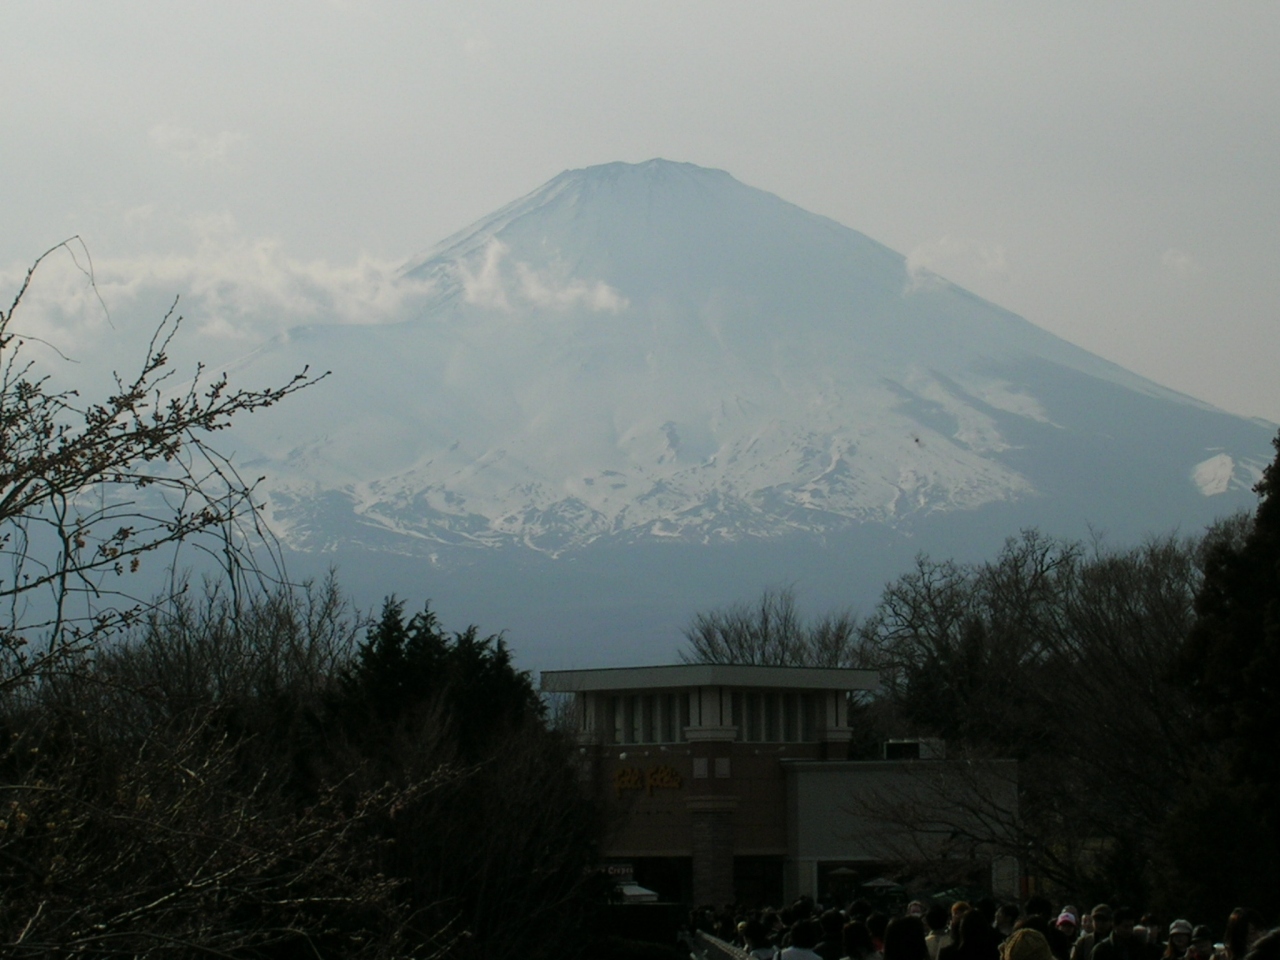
(1111, 172)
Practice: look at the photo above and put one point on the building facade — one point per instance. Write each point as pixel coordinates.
(732, 783)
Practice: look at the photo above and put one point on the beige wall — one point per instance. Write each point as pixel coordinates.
(902, 811)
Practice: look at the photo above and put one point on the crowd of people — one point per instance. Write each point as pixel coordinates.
(985, 930)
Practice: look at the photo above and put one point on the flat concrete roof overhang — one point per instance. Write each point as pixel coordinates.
(680, 675)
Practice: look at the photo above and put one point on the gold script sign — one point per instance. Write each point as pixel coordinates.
(663, 777)
(628, 778)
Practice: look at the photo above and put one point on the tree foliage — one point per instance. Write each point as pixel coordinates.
(226, 783)
(1223, 839)
(405, 666)
(506, 845)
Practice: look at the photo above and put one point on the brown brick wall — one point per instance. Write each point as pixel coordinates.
(656, 821)
(712, 842)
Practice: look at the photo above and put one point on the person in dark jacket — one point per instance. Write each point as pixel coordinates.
(1121, 945)
(831, 946)
(1062, 935)
(1266, 947)
(904, 939)
(1201, 943)
(1245, 927)
(1100, 921)
(974, 939)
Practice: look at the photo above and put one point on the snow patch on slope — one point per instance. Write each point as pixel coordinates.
(1213, 476)
(1221, 473)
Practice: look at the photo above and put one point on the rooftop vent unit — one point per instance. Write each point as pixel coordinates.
(924, 748)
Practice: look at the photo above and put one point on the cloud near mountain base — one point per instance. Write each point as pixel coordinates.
(489, 284)
(235, 292)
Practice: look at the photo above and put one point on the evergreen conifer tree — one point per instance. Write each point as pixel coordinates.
(1224, 835)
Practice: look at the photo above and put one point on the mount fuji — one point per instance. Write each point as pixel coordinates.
(643, 390)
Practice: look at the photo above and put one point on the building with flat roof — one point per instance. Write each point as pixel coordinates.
(733, 783)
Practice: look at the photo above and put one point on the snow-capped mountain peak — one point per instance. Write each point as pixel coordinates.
(656, 351)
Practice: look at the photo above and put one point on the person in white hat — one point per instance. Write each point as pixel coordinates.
(1179, 940)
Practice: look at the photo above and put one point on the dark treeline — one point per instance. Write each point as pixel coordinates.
(1138, 687)
(269, 782)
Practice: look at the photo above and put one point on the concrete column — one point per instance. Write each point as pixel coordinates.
(710, 717)
(835, 732)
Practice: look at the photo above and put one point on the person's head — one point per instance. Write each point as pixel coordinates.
(1007, 916)
(1067, 925)
(806, 934)
(1103, 920)
(987, 907)
(1202, 942)
(1123, 922)
(1244, 927)
(877, 923)
(973, 929)
(1154, 928)
(1179, 938)
(860, 909)
(832, 924)
(1026, 944)
(937, 917)
(916, 908)
(904, 939)
(856, 940)
(754, 934)
(1035, 921)
(958, 910)
(1038, 904)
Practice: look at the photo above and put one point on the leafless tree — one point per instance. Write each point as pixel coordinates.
(90, 489)
(772, 632)
(157, 845)
(937, 819)
(1056, 654)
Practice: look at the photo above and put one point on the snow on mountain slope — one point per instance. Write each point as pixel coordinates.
(656, 351)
